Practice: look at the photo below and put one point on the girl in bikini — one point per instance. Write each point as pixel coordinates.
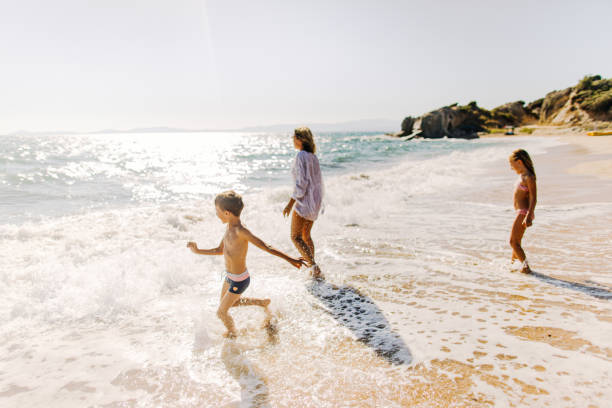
(525, 198)
(307, 196)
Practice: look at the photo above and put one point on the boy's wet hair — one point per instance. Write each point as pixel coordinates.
(230, 201)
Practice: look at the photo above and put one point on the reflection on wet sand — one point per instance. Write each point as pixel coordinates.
(253, 386)
(361, 315)
(559, 338)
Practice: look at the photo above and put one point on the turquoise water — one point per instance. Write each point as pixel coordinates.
(60, 175)
(102, 304)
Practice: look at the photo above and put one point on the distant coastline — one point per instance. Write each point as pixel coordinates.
(364, 125)
(587, 105)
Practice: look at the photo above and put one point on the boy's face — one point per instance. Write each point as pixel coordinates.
(222, 214)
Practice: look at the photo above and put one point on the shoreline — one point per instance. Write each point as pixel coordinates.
(476, 333)
(594, 153)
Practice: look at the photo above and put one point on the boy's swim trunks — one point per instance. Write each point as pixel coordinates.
(238, 283)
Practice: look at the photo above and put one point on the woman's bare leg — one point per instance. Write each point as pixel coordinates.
(316, 271)
(300, 235)
(297, 229)
(307, 238)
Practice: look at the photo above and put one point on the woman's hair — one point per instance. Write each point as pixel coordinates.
(304, 135)
(230, 201)
(522, 155)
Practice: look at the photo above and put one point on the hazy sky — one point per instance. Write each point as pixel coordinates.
(89, 65)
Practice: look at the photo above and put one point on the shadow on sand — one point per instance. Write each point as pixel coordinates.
(597, 291)
(361, 315)
(253, 386)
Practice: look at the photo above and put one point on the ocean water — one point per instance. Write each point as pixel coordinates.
(101, 303)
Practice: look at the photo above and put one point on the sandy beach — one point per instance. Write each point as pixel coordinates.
(592, 154)
(383, 123)
(421, 306)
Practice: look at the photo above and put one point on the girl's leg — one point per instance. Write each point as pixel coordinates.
(514, 255)
(297, 228)
(516, 236)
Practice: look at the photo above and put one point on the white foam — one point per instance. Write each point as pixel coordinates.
(113, 300)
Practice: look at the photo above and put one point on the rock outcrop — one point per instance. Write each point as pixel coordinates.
(553, 102)
(407, 125)
(586, 103)
(513, 114)
(589, 101)
(450, 121)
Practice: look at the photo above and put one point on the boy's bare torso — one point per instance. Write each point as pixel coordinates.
(235, 249)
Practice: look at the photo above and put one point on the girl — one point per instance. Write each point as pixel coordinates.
(525, 198)
(307, 195)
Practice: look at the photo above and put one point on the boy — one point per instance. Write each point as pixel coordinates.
(234, 246)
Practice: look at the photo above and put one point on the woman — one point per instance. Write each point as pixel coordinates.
(307, 196)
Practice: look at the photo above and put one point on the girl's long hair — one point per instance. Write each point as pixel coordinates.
(522, 155)
(304, 135)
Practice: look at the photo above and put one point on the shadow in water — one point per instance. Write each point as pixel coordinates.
(599, 291)
(253, 386)
(361, 315)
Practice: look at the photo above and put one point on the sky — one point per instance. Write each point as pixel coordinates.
(73, 65)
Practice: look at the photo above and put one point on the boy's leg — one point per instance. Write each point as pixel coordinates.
(227, 301)
(245, 301)
(224, 290)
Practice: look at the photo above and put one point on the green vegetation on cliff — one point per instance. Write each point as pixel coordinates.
(594, 95)
(589, 103)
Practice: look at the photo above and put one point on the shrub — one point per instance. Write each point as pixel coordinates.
(587, 82)
(598, 102)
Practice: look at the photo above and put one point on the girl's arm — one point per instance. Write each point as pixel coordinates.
(246, 234)
(533, 199)
(214, 251)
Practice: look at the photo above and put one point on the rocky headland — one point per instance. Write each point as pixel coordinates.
(587, 104)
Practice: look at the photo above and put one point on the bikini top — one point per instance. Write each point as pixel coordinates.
(521, 186)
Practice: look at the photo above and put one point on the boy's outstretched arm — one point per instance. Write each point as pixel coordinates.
(214, 251)
(246, 234)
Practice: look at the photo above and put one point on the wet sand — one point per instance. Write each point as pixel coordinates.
(592, 154)
(420, 308)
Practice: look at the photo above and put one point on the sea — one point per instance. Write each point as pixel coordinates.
(102, 304)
